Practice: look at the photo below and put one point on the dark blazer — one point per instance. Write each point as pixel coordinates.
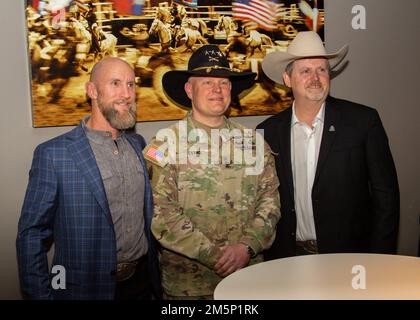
(65, 203)
(355, 194)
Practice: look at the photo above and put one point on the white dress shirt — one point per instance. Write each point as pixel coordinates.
(305, 143)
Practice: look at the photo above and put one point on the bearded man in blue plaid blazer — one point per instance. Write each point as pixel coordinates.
(89, 194)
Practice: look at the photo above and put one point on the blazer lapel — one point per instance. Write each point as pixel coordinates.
(84, 159)
(284, 144)
(331, 125)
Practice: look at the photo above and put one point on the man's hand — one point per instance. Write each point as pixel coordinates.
(234, 257)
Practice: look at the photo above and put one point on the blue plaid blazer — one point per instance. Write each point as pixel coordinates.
(66, 204)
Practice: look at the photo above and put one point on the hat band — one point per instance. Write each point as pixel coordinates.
(209, 69)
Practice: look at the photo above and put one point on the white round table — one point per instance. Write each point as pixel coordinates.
(325, 276)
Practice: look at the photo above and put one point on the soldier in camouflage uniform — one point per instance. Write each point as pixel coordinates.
(212, 214)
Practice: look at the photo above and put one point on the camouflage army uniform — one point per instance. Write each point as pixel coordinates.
(199, 208)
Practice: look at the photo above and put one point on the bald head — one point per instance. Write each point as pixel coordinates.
(104, 64)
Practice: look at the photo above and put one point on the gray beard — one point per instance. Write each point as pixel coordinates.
(117, 120)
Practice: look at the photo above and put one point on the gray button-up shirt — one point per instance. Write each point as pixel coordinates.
(123, 179)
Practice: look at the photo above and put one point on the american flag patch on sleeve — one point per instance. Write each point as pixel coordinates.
(154, 154)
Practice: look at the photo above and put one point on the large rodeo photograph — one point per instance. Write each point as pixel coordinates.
(66, 38)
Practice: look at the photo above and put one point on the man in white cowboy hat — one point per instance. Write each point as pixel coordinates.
(212, 215)
(338, 184)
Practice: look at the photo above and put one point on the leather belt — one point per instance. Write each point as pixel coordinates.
(309, 246)
(125, 270)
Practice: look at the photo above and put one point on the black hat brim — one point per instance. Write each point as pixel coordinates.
(173, 83)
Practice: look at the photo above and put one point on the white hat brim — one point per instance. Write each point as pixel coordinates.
(274, 64)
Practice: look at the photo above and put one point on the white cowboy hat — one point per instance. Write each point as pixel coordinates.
(306, 44)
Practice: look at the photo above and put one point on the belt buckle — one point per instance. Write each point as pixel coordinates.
(125, 270)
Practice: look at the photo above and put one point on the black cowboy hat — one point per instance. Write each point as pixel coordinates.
(207, 61)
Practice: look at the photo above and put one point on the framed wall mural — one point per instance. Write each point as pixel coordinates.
(66, 38)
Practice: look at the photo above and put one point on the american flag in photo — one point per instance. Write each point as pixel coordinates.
(257, 13)
(128, 7)
(190, 3)
(137, 7)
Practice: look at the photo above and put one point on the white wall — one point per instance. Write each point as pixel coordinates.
(383, 72)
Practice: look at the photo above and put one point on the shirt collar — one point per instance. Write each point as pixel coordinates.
(319, 117)
(97, 136)
(195, 124)
(225, 136)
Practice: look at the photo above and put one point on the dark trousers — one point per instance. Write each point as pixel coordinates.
(138, 286)
(304, 248)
